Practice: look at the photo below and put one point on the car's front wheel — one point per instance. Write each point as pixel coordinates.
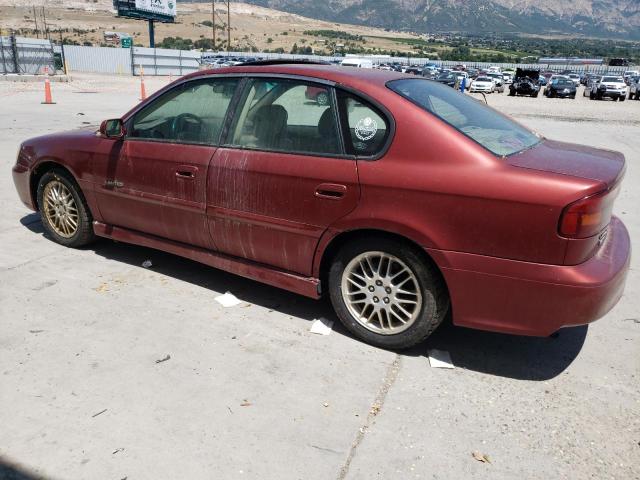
(386, 293)
(63, 210)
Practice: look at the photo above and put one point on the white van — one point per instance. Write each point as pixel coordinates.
(357, 62)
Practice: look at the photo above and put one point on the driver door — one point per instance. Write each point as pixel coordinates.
(156, 181)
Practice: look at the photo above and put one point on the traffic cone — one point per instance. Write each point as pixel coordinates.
(47, 89)
(143, 91)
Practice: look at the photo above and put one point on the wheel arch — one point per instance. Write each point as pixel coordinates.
(329, 251)
(39, 170)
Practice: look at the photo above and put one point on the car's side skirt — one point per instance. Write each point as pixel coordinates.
(307, 286)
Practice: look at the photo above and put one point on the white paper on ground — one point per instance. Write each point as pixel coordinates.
(322, 326)
(440, 359)
(228, 300)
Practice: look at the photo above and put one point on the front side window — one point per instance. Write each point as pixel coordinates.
(192, 112)
(494, 131)
(287, 116)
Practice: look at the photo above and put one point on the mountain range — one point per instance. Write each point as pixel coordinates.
(605, 18)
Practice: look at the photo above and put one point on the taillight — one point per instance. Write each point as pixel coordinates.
(588, 216)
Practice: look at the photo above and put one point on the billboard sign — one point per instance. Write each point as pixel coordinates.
(159, 7)
(156, 10)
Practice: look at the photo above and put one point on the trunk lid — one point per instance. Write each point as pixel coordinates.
(605, 166)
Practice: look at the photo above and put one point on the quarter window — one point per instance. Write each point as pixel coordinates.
(367, 128)
(288, 116)
(192, 112)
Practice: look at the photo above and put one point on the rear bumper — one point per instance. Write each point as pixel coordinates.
(524, 298)
(21, 178)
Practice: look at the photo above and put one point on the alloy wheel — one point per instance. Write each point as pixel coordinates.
(60, 209)
(381, 292)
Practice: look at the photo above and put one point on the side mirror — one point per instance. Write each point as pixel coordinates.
(113, 128)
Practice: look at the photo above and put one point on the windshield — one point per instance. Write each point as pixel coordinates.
(494, 131)
(613, 79)
(483, 79)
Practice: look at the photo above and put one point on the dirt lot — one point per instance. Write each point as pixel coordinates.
(248, 392)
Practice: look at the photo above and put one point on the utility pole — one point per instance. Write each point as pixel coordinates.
(46, 27)
(213, 25)
(228, 25)
(35, 20)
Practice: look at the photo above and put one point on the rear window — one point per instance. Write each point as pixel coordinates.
(494, 131)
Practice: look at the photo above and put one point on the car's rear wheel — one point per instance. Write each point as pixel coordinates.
(386, 293)
(63, 209)
(622, 98)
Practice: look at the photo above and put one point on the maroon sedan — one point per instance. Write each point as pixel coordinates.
(399, 198)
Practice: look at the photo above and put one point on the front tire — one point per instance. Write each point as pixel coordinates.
(387, 293)
(63, 210)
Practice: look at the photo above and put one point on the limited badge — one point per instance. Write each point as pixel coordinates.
(366, 128)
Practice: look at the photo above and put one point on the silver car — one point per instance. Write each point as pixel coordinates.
(634, 88)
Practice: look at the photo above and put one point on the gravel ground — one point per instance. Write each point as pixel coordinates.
(248, 393)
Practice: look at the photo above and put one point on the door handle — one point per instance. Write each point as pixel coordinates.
(186, 172)
(331, 191)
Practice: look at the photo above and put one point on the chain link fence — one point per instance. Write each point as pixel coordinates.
(19, 55)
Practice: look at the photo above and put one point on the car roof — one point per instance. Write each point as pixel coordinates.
(334, 73)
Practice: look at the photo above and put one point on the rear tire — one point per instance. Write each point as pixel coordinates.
(365, 280)
(63, 209)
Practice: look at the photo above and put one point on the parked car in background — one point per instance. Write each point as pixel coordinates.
(472, 72)
(561, 87)
(430, 71)
(507, 77)
(526, 82)
(498, 80)
(482, 84)
(357, 62)
(592, 80)
(481, 219)
(634, 88)
(575, 78)
(542, 80)
(413, 70)
(629, 74)
(609, 86)
(317, 94)
(449, 79)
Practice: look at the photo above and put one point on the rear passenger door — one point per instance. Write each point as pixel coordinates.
(282, 177)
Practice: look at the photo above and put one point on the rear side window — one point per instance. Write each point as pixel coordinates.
(287, 116)
(192, 112)
(494, 131)
(366, 128)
